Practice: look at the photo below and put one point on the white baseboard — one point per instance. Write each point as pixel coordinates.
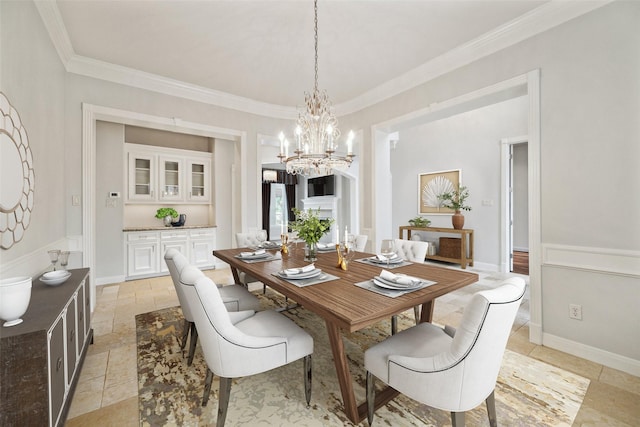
(521, 249)
(611, 360)
(100, 281)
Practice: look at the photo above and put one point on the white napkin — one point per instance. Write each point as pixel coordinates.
(326, 245)
(400, 279)
(295, 271)
(384, 258)
(254, 253)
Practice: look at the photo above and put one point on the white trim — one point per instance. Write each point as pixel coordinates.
(601, 260)
(538, 20)
(102, 281)
(606, 358)
(92, 113)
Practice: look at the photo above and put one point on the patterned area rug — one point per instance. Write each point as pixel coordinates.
(528, 393)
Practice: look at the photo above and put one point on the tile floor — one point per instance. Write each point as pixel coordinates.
(107, 391)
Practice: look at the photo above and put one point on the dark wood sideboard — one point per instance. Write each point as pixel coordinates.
(41, 358)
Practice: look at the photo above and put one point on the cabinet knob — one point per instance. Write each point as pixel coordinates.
(58, 364)
(71, 335)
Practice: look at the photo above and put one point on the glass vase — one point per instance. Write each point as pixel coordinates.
(311, 251)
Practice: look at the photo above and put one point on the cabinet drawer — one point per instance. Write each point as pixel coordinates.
(142, 236)
(202, 233)
(173, 235)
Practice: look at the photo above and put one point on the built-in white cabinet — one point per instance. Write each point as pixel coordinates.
(145, 249)
(141, 176)
(158, 174)
(202, 243)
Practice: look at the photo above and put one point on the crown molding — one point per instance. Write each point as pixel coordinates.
(54, 24)
(536, 21)
(549, 15)
(139, 79)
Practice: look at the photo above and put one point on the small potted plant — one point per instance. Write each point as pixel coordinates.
(456, 200)
(167, 215)
(419, 222)
(310, 228)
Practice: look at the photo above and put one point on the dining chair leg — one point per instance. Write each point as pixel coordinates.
(307, 378)
(185, 333)
(491, 409)
(416, 313)
(207, 387)
(223, 401)
(371, 397)
(394, 324)
(192, 344)
(457, 419)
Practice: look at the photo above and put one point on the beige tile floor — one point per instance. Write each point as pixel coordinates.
(107, 392)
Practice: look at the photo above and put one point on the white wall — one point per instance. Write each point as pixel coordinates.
(470, 142)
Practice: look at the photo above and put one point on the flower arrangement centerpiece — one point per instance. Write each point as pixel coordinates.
(310, 228)
(456, 200)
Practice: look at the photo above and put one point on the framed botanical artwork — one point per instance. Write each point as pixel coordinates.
(431, 185)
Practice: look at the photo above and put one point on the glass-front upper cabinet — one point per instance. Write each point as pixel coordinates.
(199, 180)
(171, 179)
(142, 176)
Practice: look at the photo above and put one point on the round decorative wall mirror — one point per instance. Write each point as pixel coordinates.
(16, 176)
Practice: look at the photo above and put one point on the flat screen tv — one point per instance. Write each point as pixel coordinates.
(321, 186)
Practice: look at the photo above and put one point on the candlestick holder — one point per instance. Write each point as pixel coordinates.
(284, 248)
(339, 255)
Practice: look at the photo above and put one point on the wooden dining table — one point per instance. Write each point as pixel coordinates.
(344, 306)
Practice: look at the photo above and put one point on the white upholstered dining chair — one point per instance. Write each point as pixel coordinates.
(248, 239)
(361, 242)
(245, 343)
(449, 369)
(234, 297)
(414, 251)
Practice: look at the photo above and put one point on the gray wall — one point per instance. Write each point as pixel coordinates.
(590, 146)
(110, 256)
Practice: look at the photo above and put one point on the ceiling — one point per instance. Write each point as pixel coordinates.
(262, 51)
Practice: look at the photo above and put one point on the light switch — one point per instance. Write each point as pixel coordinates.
(487, 202)
(75, 200)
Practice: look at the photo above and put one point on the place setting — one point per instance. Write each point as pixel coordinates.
(326, 247)
(258, 255)
(394, 285)
(305, 276)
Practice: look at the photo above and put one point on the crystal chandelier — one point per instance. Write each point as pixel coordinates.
(316, 133)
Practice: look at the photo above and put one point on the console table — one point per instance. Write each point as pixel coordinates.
(40, 359)
(466, 243)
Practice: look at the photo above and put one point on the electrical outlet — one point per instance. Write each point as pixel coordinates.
(575, 311)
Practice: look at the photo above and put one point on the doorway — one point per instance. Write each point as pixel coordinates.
(519, 208)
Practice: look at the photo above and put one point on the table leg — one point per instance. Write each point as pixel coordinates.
(236, 276)
(342, 370)
(463, 251)
(471, 248)
(426, 314)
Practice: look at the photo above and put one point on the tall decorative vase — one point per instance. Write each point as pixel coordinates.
(311, 251)
(458, 220)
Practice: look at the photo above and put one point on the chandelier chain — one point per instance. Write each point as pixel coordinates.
(315, 21)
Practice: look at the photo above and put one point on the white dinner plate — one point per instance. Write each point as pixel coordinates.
(255, 256)
(396, 260)
(379, 281)
(305, 275)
